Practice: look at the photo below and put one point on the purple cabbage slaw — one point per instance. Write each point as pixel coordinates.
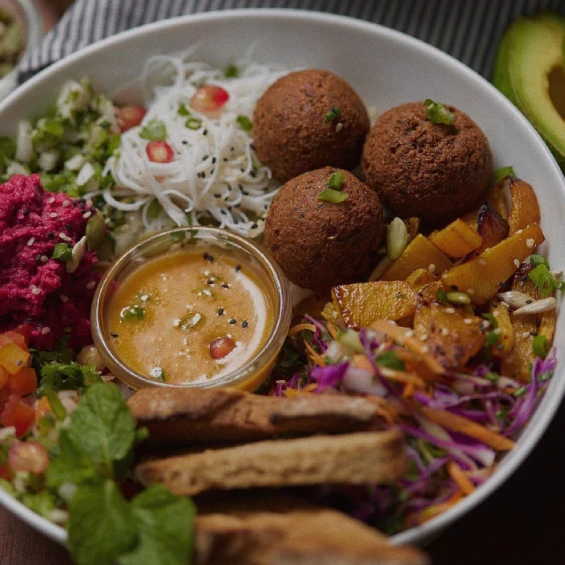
(498, 403)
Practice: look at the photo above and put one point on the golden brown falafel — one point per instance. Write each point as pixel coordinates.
(420, 168)
(319, 244)
(307, 120)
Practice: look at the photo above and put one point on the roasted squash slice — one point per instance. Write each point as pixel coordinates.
(482, 277)
(452, 336)
(495, 198)
(505, 330)
(419, 254)
(362, 303)
(421, 277)
(457, 239)
(524, 209)
(492, 227)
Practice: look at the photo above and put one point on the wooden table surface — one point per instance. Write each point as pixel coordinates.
(521, 524)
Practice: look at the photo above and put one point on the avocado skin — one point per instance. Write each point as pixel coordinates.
(521, 30)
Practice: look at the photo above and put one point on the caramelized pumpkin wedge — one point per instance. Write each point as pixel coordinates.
(492, 227)
(517, 364)
(496, 199)
(413, 227)
(452, 336)
(419, 254)
(457, 239)
(421, 277)
(524, 209)
(482, 277)
(362, 303)
(505, 330)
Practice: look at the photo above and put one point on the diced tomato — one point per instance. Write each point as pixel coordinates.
(3, 377)
(209, 99)
(42, 407)
(130, 116)
(160, 152)
(13, 352)
(4, 397)
(5, 472)
(28, 456)
(23, 382)
(25, 331)
(18, 413)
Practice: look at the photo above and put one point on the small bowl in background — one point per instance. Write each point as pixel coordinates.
(25, 14)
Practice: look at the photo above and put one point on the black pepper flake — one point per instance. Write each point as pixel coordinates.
(224, 212)
(220, 311)
(225, 159)
(244, 324)
(205, 132)
(238, 267)
(50, 235)
(214, 160)
(205, 157)
(217, 195)
(233, 321)
(225, 285)
(252, 174)
(232, 148)
(205, 256)
(114, 334)
(254, 226)
(529, 301)
(25, 212)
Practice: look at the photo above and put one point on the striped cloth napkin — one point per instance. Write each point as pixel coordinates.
(468, 30)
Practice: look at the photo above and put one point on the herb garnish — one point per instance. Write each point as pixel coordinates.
(502, 173)
(134, 312)
(336, 180)
(231, 71)
(245, 123)
(333, 114)
(544, 280)
(333, 193)
(63, 252)
(390, 360)
(437, 113)
(193, 123)
(154, 130)
(541, 346)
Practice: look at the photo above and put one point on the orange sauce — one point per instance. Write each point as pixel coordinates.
(165, 314)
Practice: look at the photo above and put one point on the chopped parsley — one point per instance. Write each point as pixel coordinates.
(245, 123)
(437, 113)
(62, 252)
(133, 312)
(154, 130)
(231, 71)
(183, 110)
(333, 114)
(390, 360)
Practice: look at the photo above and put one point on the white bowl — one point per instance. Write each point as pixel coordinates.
(25, 13)
(387, 68)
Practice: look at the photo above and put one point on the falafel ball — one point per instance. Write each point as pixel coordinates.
(319, 244)
(419, 168)
(307, 120)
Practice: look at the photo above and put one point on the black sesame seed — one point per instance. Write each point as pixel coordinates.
(211, 258)
(184, 142)
(25, 212)
(454, 287)
(225, 285)
(238, 267)
(205, 132)
(254, 226)
(213, 160)
(50, 235)
(210, 281)
(224, 212)
(242, 170)
(205, 157)
(529, 301)
(252, 174)
(229, 187)
(220, 311)
(232, 148)
(240, 186)
(244, 324)
(38, 258)
(205, 256)
(217, 195)
(114, 334)
(245, 193)
(225, 159)
(233, 321)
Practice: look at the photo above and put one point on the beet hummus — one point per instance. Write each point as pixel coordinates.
(36, 289)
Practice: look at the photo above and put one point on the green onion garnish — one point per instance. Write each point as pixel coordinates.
(63, 252)
(245, 123)
(183, 110)
(231, 71)
(336, 180)
(492, 337)
(333, 196)
(132, 313)
(502, 173)
(333, 114)
(542, 279)
(441, 296)
(536, 260)
(390, 360)
(541, 346)
(437, 113)
(193, 123)
(492, 319)
(154, 130)
(519, 392)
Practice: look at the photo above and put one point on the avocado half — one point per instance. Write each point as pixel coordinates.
(530, 71)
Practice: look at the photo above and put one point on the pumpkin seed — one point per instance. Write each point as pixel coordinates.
(95, 231)
(396, 238)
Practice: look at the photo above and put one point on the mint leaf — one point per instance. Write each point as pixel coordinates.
(165, 526)
(67, 376)
(102, 427)
(154, 130)
(43, 503)
(101, 524)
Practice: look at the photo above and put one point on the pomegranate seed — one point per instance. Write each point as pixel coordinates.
(130, 116)
(209, 99)
(221, 346)
(160, 152)
(28, 456)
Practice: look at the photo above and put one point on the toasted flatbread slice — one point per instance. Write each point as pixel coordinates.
(358, 458)
(273, 529)
(204, 416)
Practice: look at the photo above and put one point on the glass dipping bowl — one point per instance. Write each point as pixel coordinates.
(254, 372)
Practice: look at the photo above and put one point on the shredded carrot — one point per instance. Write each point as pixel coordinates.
(311, 387)
(433, 511)
(465, 426)
(408, 391)
(384, 408)
(404, 336)
(332, 330)
(300, 327)
(459, 476)
(402, 377)
(316, 357)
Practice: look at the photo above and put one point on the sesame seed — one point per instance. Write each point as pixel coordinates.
(64, 298)
(339, 127)
(205, 157)
(233, 321)
(66, 203)
(220, 311)
(64, 237)
(518, 232)
(410, 333)
(210, 281)
(450, 310)
(423, 337)
(30, 241)
(214, 160)
(53, 215)
(217, 195)
(530, 243)
(496, 331)
(525, 334)
(205, 132)
(516, 263)
(470, 291)
(425, 349)
(91, 285)
(45, 331)
(482, 262)
(496, 313)
(244, 324)
(467, 321)
(444, 331)
(44, 259)
(205, 256)
(51, 200)
(35, 290)
(431, 268)
(87, 215)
